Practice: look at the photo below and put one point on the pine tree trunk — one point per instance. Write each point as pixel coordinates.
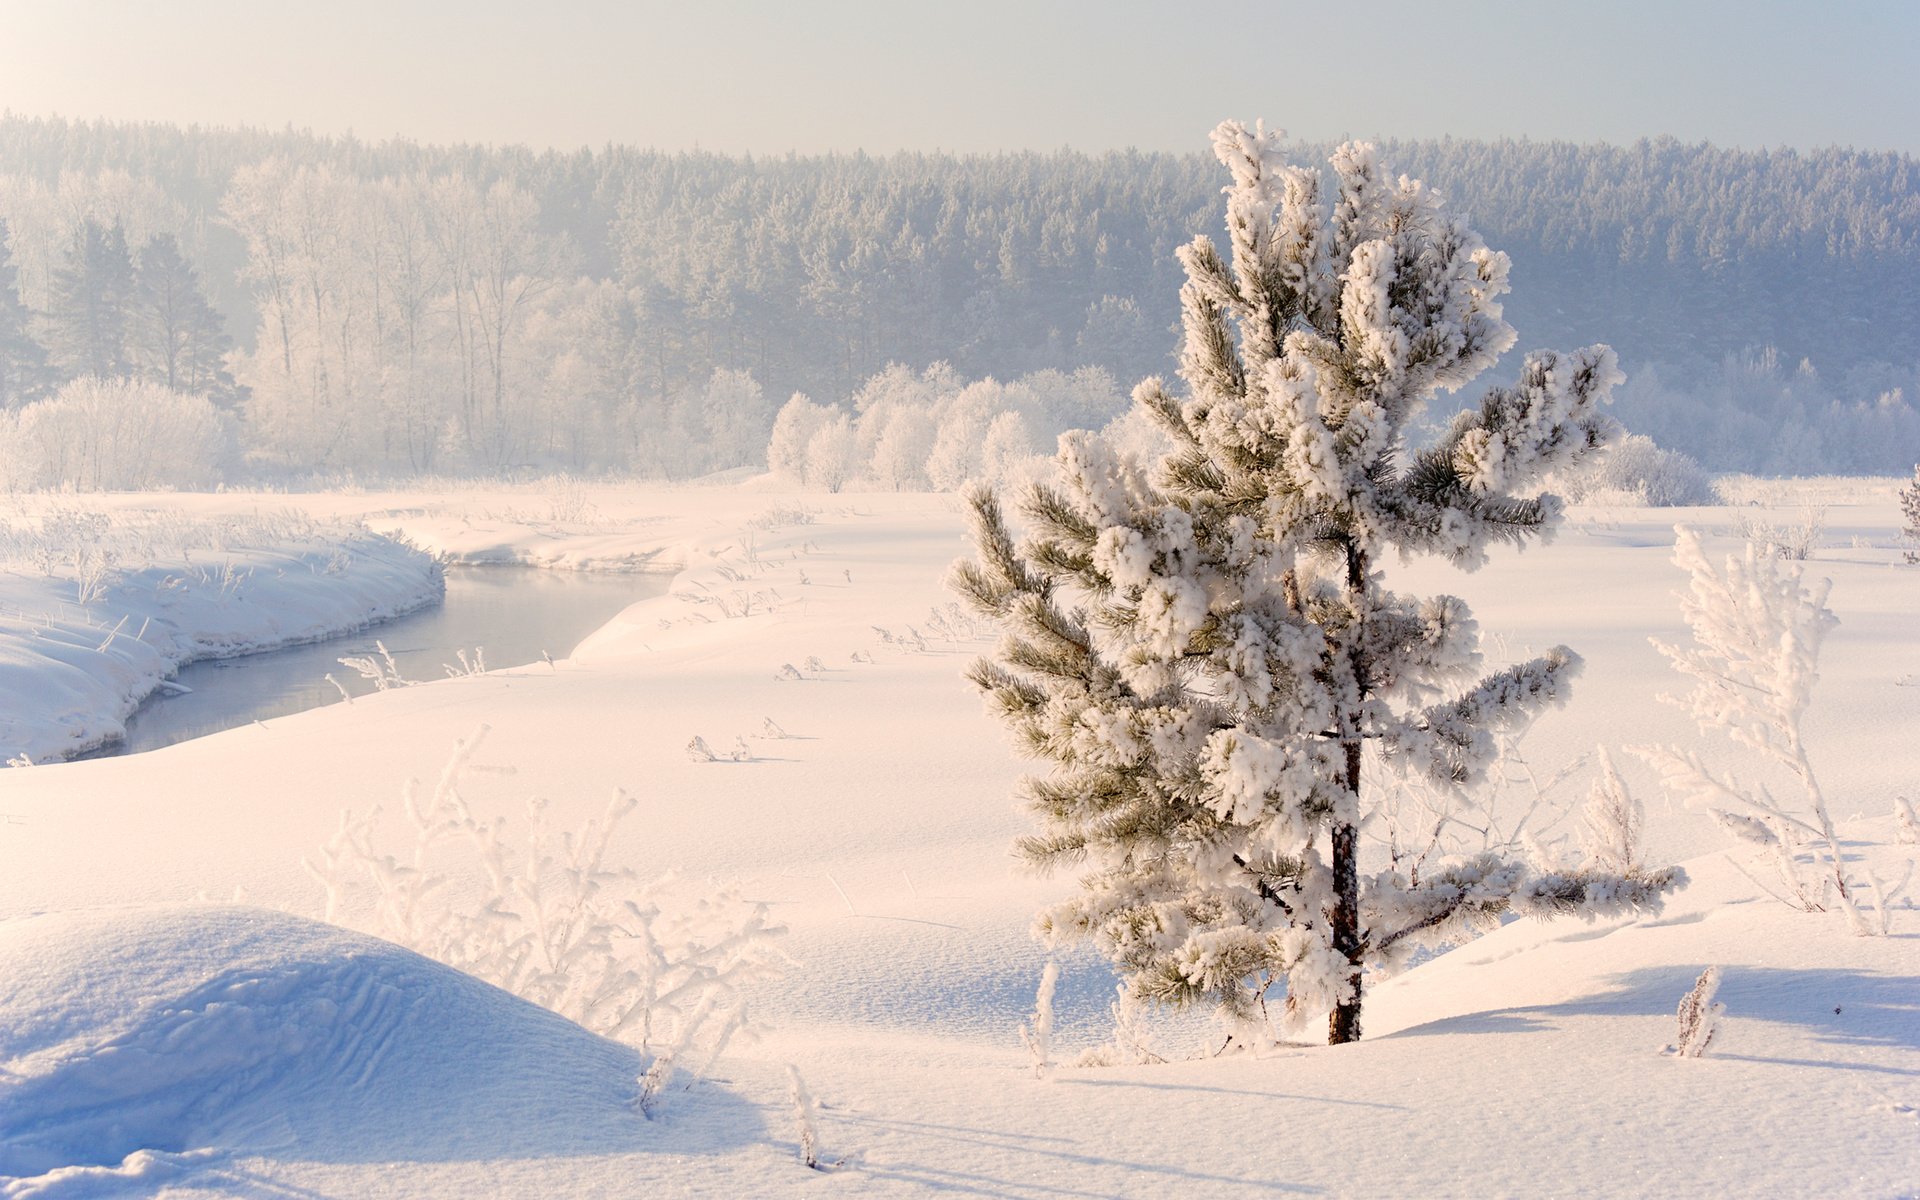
(1344, 1023)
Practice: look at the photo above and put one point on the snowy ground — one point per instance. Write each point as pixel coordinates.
(246, 1051)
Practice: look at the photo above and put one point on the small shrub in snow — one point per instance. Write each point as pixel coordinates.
(1636, 471)
(653, 1084)
(1794, 540)
(1699, 1015)
(807, 1129)
(660, 964)
(1906, 822)
(1757, 631)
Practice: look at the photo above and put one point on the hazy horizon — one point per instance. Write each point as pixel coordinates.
(844, 77)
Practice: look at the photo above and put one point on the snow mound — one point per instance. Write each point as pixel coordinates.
(154, 1034)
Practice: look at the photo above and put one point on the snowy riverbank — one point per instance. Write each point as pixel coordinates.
(98, 607)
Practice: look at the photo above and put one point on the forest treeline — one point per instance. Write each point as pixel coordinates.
(395, 307)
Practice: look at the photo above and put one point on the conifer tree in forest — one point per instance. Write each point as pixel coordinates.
(175, 337)
(24, 374)
(1206, 652)
(92, 293)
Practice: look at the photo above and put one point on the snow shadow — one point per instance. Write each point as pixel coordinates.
(1005, 1162)
(1841, 1006)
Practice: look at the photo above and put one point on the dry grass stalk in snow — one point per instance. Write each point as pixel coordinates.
(382, 671)
(804, 1107)
(1037, 1033)
(1699, 1015)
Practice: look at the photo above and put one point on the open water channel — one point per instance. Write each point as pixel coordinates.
(513, 614)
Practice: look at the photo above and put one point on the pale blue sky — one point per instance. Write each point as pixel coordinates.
(815, 75)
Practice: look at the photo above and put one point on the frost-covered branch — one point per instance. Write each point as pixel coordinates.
(1757, 631)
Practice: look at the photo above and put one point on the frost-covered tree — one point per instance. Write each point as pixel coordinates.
(833, 454)
(964, 420)
(1005, 451)
(1910, 511)
(1207, 654)
(900, 450)
(793, 427)
(736, 418)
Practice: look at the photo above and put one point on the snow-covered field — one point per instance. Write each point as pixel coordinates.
(173, 1020)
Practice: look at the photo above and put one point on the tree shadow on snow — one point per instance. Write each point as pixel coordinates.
(1024, 1166)
(1840, 1006)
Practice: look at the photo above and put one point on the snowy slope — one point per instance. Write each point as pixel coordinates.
(183, 1029)
(1524, 1064)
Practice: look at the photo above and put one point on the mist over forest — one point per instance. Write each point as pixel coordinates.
(353, 309)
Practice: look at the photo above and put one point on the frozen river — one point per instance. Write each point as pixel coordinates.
(514, 614)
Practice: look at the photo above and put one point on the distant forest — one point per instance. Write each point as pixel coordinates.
(396, 307)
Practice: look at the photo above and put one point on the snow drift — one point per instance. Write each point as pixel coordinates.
(157, 1032)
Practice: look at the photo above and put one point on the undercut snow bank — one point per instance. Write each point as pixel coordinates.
(135, 1037)
(97, 611)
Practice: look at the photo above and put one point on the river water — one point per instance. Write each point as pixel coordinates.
(513, 614)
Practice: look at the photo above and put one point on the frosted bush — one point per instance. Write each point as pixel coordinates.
(1636, 471)
(118, 435)
(1794, 538)
(661, 963)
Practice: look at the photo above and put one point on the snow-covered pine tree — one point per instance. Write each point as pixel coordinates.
(1205, 652)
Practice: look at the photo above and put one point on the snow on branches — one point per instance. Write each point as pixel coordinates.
(1205, 652)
